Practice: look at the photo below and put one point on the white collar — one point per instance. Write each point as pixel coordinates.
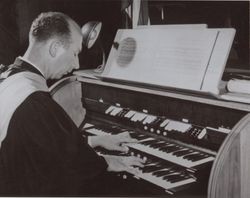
(27, 61)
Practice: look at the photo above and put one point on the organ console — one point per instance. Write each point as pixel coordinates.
(194, 144)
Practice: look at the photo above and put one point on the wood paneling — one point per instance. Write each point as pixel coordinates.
(230, 176)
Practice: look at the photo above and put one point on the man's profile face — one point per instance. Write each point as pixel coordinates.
(67, 58)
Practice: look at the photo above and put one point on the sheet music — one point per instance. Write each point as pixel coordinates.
(165, 57)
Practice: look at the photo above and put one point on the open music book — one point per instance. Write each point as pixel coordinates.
(190, 59)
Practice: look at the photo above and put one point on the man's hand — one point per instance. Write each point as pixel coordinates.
(124, 163)
(113, 142)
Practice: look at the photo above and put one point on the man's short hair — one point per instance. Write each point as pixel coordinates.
(51, 24)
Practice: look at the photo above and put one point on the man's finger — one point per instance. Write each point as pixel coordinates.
(136, 161)
(128, 140)
(134, 171)
(122, 148)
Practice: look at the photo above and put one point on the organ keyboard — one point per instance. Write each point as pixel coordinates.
(192, 143)
(170, 151)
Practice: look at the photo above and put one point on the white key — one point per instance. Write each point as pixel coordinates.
(95, 131)
(87, 125)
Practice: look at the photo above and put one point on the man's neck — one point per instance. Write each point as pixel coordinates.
(28, 61)
(34, 58)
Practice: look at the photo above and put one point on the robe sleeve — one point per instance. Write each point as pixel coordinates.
(50, 155)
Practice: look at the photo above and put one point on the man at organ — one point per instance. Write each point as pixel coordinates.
(41, 149)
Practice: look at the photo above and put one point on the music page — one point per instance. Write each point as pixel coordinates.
(166, 57)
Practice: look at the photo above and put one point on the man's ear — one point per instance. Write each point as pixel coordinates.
(54, 47)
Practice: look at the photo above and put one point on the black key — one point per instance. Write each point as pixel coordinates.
(148, 142)
(140, 137)
(169, 149)
(182, 152)
(193, 157)
(198, 157)
(172, 177)
(151, 168)
(181, 178)
(163, 172)
(169, 145)
(158, 144)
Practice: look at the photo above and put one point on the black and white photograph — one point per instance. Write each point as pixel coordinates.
(125, 98)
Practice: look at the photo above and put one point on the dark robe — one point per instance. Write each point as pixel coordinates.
(44, 153)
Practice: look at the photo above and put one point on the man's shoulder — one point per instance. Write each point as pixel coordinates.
(36, 102)
(41, 100)
(38, 98)
(41, 96)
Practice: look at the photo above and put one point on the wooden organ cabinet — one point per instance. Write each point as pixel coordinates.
(192, 142)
